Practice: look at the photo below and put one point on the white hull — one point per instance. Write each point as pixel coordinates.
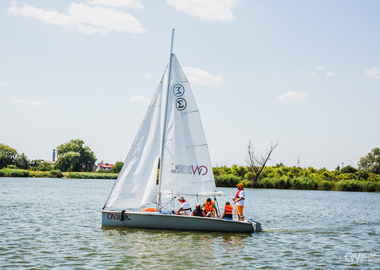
(174, 222)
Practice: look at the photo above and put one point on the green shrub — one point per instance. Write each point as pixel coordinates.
(41, 175)
(310, 184)
(349, 185)
(249, 175)
(267, 183)
(297, 183)
(363, 174)
(325, 185)
(227, 180)
(369, 186)
(246, 183)
(15, 173)
(55, 174)
(282, 183)
(2, 174)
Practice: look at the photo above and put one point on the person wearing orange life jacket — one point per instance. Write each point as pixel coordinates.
(209, 208)
(227, 211)
(239, 201)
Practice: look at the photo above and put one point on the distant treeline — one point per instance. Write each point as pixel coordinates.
(282, 177)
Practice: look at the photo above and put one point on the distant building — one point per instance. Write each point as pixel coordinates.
(104, 166)
(36, 163)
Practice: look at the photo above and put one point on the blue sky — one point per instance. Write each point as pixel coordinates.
(305, 74)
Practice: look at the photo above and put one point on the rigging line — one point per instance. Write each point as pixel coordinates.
(158, 209)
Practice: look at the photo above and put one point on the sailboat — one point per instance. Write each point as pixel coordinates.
(185, 166)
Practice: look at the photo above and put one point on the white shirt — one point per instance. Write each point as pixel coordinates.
(186, 205)
(241, 195)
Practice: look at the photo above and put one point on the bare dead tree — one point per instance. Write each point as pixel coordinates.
(257, 161)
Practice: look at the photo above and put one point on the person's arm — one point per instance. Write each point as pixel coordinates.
(216, 210)
(224, 213)
(203, 214)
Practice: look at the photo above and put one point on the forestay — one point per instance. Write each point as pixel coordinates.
(186, 166)
(136, 184)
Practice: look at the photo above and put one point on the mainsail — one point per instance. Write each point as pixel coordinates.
(136, 184)
(186, 166)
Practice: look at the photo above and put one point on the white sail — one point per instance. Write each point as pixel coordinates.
(186, 166)
(136, 184)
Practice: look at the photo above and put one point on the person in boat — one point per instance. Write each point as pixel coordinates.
(227, 211)
(185, 207)
(239, 201)
(198, 211)
(209, 208)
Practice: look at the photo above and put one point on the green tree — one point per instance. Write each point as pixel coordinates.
(74, 157)
(371, 162)
(44, 166)
(22, 161)
(348, 169)
(117, 167)
(7, 155)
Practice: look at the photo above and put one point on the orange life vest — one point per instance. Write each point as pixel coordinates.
(208, 208)
(229, 209)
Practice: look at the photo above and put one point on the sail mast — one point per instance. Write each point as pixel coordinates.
(165, 119)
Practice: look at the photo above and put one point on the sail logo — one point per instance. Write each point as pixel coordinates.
(181, 104)
(178, 90)
(190, 169)
(199, 170)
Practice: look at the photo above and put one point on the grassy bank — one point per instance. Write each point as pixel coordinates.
(91, 175)
(5, 172)
(25, 173)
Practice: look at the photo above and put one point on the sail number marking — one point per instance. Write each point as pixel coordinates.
(178, 90)
(181, 104)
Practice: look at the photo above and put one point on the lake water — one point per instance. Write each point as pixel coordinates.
(56, 223)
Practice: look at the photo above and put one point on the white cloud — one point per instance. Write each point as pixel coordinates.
(29, 102)
(210, 10)
(139, 99)
(148, 76)
(88, 19)
(330, 73)
(117, 3)
(52, 17)
(314, 73)
(3, 84)
(201, 77)
(292, 95)
(373, 72)
(319, 67)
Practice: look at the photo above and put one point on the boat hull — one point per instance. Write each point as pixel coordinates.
(173, 222)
